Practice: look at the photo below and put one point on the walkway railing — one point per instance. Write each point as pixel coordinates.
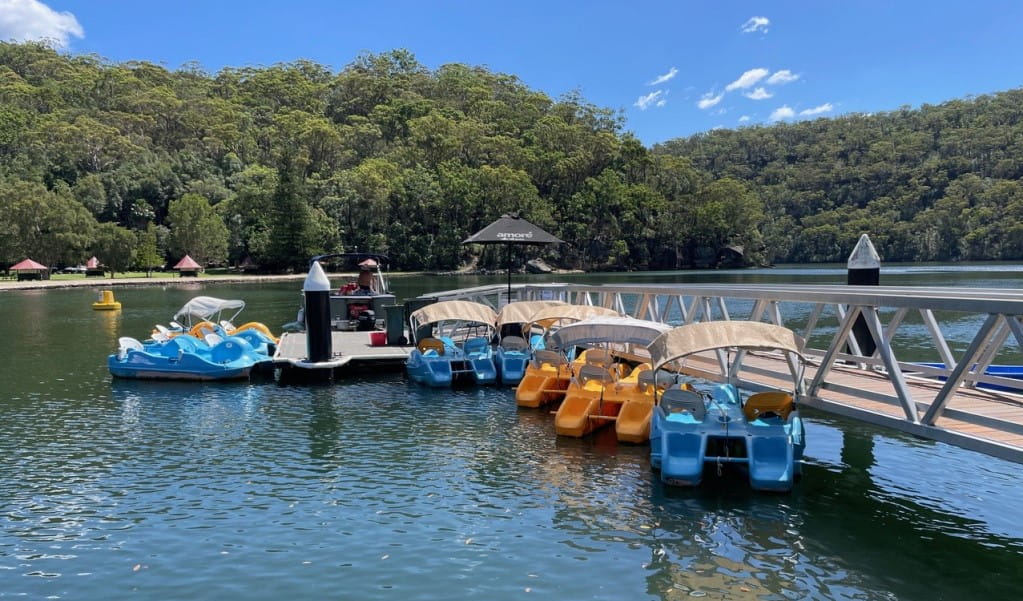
(961, 331)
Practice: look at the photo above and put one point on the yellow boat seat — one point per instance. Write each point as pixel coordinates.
(552, 358)
(599, 357)
(763, 404)
(430, 344)
(590, 372)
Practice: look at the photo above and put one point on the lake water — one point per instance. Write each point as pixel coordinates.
(375, 488)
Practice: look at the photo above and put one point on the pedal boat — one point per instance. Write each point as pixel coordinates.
(185, 357)
(548, 372)
(204, 315)
(692, 431)
(513, 352)
(452, 344)
(614, 383)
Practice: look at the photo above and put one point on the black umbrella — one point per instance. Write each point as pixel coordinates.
(509, 230)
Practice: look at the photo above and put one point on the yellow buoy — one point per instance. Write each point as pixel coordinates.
(106, 302)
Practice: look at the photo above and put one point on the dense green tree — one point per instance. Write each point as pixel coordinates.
(388, 155)
(115, 247)
(197, 230)
(147, 250)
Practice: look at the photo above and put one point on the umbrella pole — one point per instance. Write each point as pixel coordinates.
(509, 271)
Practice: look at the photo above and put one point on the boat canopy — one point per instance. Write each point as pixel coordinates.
(596, 330)
(521, 311)
(206, 308)
(713, 335)
(454, 310)
(550, 315)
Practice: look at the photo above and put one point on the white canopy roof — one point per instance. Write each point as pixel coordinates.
(454, 310)
(595, 330)
(713, 335)
(521, 311)
(569, 313)
(206, 307)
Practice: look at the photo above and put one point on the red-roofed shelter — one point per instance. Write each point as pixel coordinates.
(93, 268)
(30, 270)
(187, 267)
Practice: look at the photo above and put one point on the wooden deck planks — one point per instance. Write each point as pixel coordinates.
(355, 345)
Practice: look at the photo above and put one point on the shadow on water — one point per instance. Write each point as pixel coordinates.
(843, 533)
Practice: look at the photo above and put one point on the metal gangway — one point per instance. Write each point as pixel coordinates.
(960, 331)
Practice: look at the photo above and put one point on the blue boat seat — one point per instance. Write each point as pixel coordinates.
(430, 344)
(678, 400)
(768, 404)
(475, 345)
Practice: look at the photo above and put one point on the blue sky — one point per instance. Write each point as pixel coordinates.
(673, 68)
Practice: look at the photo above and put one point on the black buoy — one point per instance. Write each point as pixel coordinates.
(863, 269)
(317, 315)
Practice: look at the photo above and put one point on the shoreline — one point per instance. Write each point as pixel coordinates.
(167, 280)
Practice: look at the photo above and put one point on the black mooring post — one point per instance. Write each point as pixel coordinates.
(317, 314)
(863, 269)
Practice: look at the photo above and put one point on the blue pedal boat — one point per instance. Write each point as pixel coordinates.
(694, 430)
(185, 357)
(513, 352)
(452, 340)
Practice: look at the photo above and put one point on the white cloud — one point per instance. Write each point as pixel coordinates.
(759, 94)
(747, 79)
(30, 20)
(782, 77)
(663, 78)
(661, 102)
(655, 98)
(827, 107)
(755, 23)
(744, 119)
(709, 99)
(782, 112)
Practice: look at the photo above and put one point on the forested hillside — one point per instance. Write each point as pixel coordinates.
(279, 163)
(938, 183)
(139, 165)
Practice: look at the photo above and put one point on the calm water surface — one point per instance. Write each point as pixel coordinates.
(378, 489)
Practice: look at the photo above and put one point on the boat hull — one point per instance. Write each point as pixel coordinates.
(769, 449)
(186, 358)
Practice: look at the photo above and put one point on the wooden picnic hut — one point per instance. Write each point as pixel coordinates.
(187, 267)
(30, 270)
(93, 268)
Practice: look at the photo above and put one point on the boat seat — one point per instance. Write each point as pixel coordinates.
(678, 400)
(430, 344)
(475, 345)
(227, 325)
(590, 372)
(125, 344)
(554, 358)
(599, 357)
(768, 404)
(213, 339)
(514, 343)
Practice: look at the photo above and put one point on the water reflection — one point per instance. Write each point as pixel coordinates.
(381, 488)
